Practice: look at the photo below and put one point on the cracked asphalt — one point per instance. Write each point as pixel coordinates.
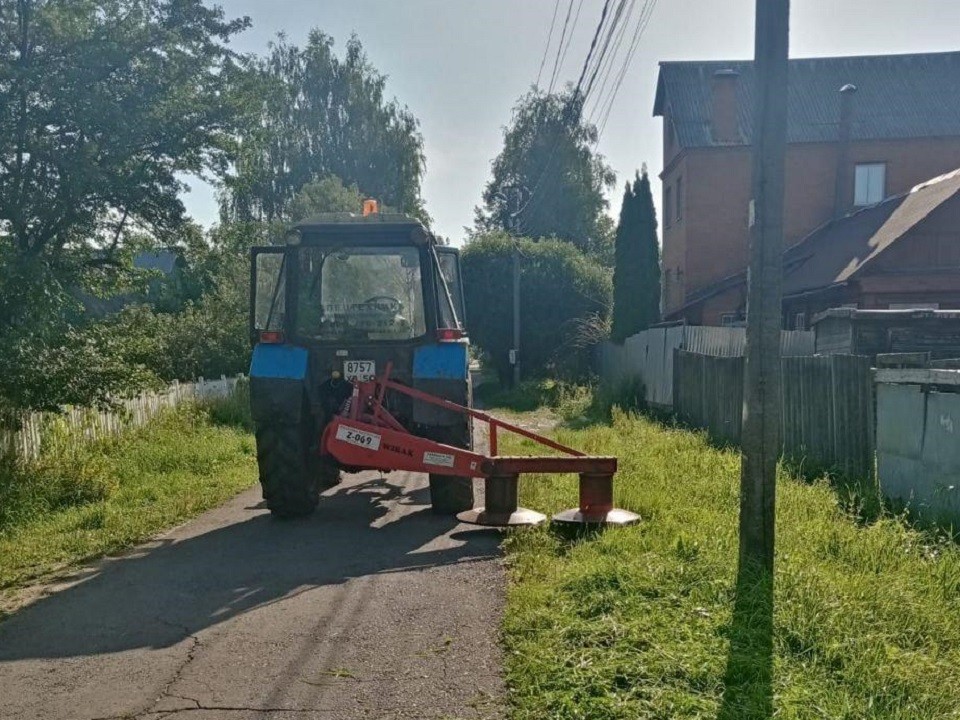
(372, 608)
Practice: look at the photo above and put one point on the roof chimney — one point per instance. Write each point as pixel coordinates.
(841, 202)
(724, 124)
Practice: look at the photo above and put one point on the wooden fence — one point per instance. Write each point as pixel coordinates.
(827, 419)
(27, 433)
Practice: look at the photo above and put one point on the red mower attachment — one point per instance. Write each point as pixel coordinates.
(366, 436)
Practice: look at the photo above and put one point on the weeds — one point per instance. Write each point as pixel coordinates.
(82, 500)
(648, 622)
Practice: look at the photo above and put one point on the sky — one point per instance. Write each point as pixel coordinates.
(461, 65)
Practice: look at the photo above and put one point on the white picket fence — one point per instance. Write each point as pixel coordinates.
(83, 424)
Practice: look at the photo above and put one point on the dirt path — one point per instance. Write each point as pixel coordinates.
(373, 608)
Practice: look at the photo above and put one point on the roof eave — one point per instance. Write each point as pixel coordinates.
(660, 99)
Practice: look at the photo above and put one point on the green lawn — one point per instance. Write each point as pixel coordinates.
(640, 622)
(76, 505)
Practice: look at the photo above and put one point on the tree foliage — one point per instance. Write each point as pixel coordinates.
(636, 273)
(561, 289)
(548, 155)
(325, 196)
(322, 115)
(103, 103)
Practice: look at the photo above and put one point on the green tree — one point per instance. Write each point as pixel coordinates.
(561, 289)
(325, 196)
(548, 156)
(636, 273)
(105, 103)
(323, 115)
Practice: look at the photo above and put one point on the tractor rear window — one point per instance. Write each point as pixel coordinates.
(360, 294)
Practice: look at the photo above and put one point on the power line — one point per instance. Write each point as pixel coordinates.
(645, 16)
(611, 31)
(578, 99)
(546, 50)
(606, 71)
(556, 62)
(593, 45)
(563, 58)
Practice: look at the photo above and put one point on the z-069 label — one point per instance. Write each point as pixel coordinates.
(360, 438)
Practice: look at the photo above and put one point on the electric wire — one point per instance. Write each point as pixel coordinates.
(563, 58)
(563, 35)
(546, 50)
(600, 59)
(607, 71)
(649, 6)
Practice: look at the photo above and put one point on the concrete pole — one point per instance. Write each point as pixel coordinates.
(761, 402)
(516, 315)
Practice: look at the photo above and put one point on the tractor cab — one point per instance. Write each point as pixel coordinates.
(342, 299)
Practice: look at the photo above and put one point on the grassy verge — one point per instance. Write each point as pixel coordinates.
(645, 622)
(75, 504)
(567, 400)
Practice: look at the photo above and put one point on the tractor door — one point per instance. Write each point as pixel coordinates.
(268, 290)
(450, 290)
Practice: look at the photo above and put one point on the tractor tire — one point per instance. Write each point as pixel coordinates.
(289, 472)
(450, 494)
(329, 472)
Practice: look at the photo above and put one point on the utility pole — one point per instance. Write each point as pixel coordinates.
(761, 401)
(513, 222)
(516, 315)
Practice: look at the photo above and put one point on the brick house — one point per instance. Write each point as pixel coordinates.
(903, 252)
(860, 130)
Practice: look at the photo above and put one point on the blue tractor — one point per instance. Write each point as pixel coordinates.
(344, 297)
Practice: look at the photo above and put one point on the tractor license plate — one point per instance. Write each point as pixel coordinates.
(359, 370)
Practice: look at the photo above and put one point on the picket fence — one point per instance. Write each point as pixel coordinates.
(827, 409)
(25, 433)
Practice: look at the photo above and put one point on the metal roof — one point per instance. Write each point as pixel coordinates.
(375, 225)
(839, 250)
(836, 252)
(898, 96)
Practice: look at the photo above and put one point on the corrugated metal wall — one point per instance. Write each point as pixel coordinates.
(649, 355)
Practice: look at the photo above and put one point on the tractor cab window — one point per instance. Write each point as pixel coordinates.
(360, 294)
(269, 292)
(450, 267)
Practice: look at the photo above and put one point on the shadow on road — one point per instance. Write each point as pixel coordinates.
(748, 681)
(180, 586)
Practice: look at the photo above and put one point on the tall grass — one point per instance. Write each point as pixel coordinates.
(640, 622)
(80, 501)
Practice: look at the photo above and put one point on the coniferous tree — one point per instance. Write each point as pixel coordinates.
(636, 275)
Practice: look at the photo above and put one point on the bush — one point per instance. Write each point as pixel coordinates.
(561, 290)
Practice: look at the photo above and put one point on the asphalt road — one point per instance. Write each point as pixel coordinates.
(372, 608)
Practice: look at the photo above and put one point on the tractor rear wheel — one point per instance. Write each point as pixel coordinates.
(329, 471)
(289, 468)
(450, 494)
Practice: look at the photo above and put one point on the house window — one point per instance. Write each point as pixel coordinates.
(870, 184)
(800, 321)
(679, 199)
(730, 319)
(667, 206)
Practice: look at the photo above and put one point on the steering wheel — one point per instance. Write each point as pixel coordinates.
(395, 305)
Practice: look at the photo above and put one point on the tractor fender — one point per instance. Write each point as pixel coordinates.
(278, 383)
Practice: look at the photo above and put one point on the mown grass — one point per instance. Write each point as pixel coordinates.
(640, 622)
(79, 502)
